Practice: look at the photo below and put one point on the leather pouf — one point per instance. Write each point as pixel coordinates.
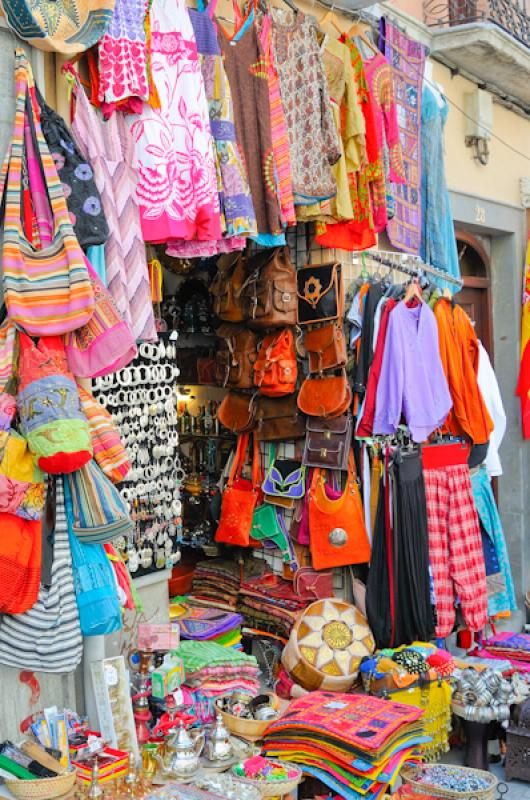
(63, 26)
(326, 646)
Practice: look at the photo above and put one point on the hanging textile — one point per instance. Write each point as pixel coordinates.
(244, 64)
(313, 140)
(504, 599)
(489, 388)
(408, 59)
(523, 385)
(177, 183)
(438, 241)
(455, 548)
(110, 150)
(237, 213)
(123, 56)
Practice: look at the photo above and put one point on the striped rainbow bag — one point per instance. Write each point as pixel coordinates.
(47, 291)
(109, 452)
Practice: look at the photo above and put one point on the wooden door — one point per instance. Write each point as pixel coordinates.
(474, 299)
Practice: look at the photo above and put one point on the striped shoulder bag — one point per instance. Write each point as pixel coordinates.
(47, 638)
(47, 291)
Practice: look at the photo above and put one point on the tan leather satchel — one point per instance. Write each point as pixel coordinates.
(237, 412)
(226, 290)
(278, 419)
(236, 357)
(326, 347)
(269, 293)
(328, 396)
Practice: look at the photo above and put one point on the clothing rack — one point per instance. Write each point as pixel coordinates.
(408, 264)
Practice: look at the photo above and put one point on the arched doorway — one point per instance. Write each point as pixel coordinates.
(475, 295)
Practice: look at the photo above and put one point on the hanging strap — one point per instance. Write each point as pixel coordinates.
(239, 460)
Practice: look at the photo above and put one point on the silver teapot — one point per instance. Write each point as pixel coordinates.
(219, 746)
(184, 750)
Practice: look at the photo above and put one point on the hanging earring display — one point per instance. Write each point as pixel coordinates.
(143, 402)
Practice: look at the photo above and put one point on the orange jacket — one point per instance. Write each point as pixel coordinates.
(458, 342)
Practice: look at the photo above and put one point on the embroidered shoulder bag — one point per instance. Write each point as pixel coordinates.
(47, 291)
(240, 497)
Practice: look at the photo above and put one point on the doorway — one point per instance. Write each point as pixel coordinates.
(475, 295)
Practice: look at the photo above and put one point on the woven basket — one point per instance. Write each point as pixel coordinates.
(410, 774)
(274, 788)
(43, 788)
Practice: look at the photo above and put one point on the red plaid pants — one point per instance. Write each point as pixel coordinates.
(455, 548)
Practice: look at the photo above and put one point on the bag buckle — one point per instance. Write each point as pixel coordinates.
(323, 452)
(327, 435)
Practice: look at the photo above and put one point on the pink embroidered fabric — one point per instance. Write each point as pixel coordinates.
(177, 186)
(122, 54)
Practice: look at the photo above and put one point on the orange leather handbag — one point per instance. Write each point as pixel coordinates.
(239, 498)
(336, 527)
(326, 396)
(237, 412)
(326, 347)
(275, 369)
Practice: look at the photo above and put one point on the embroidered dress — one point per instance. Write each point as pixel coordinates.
(177, 183)
(110, 151)
(237, 212)
(359, 233)
(438, 241)
(246, 71)
(123, 54)
(349, 122)
(381, 82)
(313, 139)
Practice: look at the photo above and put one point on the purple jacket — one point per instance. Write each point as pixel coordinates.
(412, 381)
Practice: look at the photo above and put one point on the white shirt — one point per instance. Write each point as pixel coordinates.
(489, 387)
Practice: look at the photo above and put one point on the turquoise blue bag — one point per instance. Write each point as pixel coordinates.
(96, 591)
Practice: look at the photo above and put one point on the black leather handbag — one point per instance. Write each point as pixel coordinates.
(320, 293)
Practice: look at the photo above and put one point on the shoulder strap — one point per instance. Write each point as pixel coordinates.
(237, 463)
(256, 463)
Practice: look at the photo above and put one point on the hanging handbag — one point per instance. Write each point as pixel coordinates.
(285, 478)
(51, 418)
(109, 452)
(239, 498)
(100, 514)
(328, 442)
(268, 527)
(94, 582)
(279, 419)
(336, 527)
(320, 293)
(105, 343)
(325, 396)
(326, 347)
(269, 292)
(226, 290)
(275, 369)
(77, 178)
(237, 412)
(21, 481)
(47, 637)
(47, 291)
(311, 585)
(68, 28)
(236, 357)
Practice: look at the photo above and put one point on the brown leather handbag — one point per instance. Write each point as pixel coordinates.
(226, 290)
(237, 412)
(320, 293)
(326, 396)
(326, 347)
(328, 442)
(269, 293)
(336, 527)
(236, 357)
(279, 419)
(275, 369)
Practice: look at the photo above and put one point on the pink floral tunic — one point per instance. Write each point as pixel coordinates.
(177, 186)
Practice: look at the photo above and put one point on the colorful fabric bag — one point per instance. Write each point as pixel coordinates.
(100, 513)
(20, 562)
(51, 418)
(8, 334)
(47, 291)
(21, 482)
(239, 498)
(77, 178)
(47, 637)
(109, 452)
(105, 343)
(94, 583)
